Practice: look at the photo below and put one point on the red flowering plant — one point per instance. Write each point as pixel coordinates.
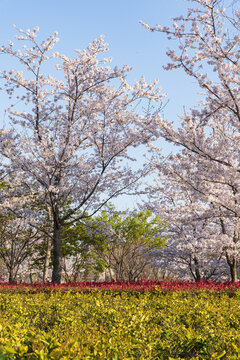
(122, 286)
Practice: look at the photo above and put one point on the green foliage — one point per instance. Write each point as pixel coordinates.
(128, 240)
(140, 226)
(75, 239)
(108, 325)
(100, 239)
(78, 245)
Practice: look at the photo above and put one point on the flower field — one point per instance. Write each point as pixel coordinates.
(119, 320)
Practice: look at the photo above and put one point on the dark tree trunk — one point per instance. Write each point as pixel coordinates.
(47, 260)
(232, 263)
(233, 270)
(56, 274)
(197, 272)
(10, 276)
(49, 247)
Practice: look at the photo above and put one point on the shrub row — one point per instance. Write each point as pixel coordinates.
(119, 325)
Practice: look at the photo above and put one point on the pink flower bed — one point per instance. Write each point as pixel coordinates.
(140, 285)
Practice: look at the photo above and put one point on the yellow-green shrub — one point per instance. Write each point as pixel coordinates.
(108, 325)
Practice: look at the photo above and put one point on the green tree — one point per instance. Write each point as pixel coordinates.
(79, 255)
(124, 243)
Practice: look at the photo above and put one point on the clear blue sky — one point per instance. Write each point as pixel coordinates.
(80, 21)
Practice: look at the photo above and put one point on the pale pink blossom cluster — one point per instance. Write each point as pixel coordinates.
(198, 188)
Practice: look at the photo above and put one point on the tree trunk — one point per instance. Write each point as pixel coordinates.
(48, 250)
(56, 274)
(10, 276)
(232, 263)
(30, 277)
(197, 272)
(233, 269)
(47, 260)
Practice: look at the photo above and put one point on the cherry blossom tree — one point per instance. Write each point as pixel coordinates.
(208, 162)
(195, 247)
(72, 131)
